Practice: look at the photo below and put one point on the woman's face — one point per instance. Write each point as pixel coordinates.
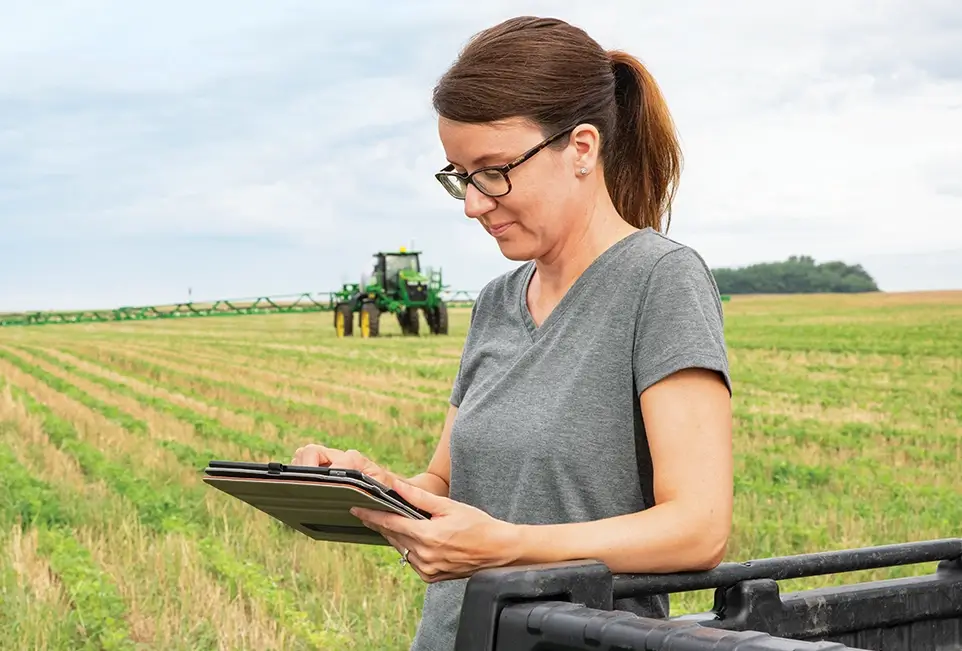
(547, 196)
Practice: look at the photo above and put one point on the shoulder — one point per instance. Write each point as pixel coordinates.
(655, 263)
(669, 281)
(649, 252)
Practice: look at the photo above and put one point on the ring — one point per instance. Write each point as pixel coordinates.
(404, 558)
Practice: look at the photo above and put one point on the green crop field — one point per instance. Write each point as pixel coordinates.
(848, 429)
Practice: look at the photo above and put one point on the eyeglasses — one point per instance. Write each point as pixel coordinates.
(491, 180)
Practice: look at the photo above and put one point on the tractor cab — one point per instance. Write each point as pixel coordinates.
(391, 269)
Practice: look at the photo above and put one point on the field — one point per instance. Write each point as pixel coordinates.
(848, 429)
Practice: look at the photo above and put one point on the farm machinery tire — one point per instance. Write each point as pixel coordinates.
(344, 320)
(438, 319)
(370, 320)
(410, 321)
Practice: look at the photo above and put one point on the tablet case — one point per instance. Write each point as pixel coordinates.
(315, 500)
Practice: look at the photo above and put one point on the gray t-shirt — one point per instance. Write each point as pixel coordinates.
(549, 426)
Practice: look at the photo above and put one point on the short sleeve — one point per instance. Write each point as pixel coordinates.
(680, 324)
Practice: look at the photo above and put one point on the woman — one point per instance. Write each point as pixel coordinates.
(590, 416)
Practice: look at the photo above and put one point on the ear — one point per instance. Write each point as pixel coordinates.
(587, 144)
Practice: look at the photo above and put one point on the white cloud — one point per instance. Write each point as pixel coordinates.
(831, 129)
(808, 127)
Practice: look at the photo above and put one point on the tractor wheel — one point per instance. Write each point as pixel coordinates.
(370, 315)
(402, 320)
(438, 319)
(410, 321)
(343, 320)
(442, 315)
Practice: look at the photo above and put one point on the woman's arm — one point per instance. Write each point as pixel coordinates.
(688, 420)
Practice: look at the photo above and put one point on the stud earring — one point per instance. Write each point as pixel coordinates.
(583, 170)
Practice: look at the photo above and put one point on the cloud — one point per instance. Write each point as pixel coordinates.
(822, 128)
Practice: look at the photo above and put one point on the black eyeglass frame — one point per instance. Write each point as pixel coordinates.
(503, 169)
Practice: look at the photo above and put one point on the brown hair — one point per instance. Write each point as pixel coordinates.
(556, 76)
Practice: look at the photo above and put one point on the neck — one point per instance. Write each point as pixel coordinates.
(559, 268)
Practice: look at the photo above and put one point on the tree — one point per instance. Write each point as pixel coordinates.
(799, 274)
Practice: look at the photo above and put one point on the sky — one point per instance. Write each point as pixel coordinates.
(155, 151)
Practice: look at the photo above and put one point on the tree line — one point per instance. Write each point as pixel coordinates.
(796, 275)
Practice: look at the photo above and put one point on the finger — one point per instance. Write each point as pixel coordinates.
(393, 541)
(313, 455)
(354, 460)
(416, 564)
(335, 458)
(300, 456)
(426, 500)
(320, 455)
(428, 572)
(383, 520)
(402, 542)
(399, 542)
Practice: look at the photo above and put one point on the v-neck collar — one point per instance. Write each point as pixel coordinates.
(535, 331)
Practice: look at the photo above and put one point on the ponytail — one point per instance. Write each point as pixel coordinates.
(644, 157)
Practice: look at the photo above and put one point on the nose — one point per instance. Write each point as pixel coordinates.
(476, 203)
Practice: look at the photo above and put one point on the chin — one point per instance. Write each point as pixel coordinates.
(517, 251)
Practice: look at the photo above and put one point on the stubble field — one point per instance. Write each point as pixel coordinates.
(848, 429)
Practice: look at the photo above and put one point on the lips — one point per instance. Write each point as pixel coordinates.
(498, 229)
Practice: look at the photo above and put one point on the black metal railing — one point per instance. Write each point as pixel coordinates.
(570, 605)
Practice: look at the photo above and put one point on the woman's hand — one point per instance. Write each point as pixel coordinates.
(457, 541)
(319, 455)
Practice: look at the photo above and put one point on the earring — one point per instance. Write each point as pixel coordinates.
(583, 170)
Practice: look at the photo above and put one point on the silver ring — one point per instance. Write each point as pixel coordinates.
(404, 557)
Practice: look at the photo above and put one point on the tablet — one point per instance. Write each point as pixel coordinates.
(315, 500)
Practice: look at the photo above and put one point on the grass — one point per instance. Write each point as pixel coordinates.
(848, 432)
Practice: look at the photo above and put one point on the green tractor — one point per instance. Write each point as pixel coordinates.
(397, 286)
